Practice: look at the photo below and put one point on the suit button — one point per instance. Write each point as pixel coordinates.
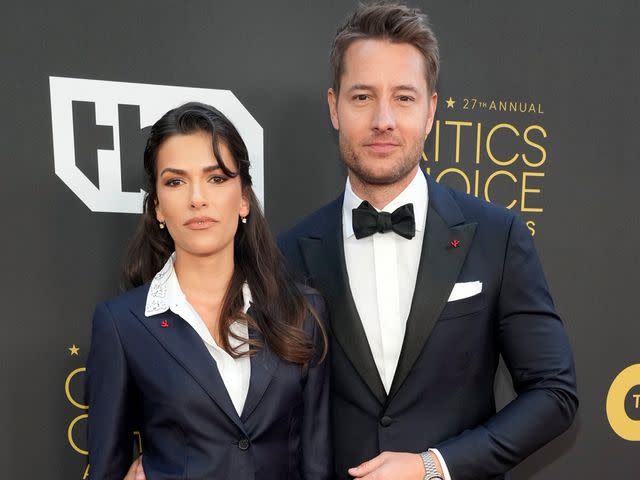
(386, 421)
(243, 444)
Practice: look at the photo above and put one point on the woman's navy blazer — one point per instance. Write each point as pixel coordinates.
(154, 374)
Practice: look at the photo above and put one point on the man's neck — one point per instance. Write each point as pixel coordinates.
(381, 195)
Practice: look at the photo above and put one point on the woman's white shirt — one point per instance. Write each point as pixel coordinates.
(165, 294)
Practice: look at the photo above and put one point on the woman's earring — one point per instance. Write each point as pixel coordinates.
(244, 219)
(161, 225)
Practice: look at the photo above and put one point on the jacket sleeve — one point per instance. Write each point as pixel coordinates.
(110, 426)
(536, 350)
(317, 460)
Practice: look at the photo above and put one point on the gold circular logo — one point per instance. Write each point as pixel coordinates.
(67, 390)
(72, 442)
(625, 427)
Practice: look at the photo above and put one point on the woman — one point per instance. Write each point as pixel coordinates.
(215, 356)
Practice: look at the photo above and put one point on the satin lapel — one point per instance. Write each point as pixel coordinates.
(188, 349)
(440, 264)
(264, 364)
(324, 258)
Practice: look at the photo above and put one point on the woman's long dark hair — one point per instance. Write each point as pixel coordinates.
(279, 304)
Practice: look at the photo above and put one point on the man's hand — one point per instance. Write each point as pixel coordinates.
(136, 471)
(390, 466)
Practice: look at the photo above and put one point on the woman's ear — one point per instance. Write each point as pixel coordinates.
(158, 211)
(245, 205)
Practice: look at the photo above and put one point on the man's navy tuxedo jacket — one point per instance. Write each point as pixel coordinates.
(155, 374)
(442, 394)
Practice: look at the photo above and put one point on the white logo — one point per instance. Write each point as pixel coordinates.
(91, 137)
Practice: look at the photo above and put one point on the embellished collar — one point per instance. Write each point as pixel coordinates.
(165, 291)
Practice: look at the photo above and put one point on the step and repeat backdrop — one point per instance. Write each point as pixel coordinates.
(538, 110)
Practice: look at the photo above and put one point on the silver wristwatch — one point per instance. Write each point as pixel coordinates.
(430, 470)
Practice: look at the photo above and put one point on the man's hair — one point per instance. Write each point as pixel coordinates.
(394, 22)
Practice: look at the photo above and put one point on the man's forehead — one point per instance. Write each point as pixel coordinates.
(370, 62)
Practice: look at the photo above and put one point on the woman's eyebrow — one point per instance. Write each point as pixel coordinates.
(179, 171)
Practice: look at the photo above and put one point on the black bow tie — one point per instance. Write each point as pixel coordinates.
(367, 221)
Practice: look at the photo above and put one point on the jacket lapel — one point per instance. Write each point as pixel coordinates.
(264, 364)
(440, 265)
(187, 348)
(323, 253)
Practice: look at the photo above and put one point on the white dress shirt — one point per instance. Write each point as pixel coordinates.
(165, 294)
(382, 270)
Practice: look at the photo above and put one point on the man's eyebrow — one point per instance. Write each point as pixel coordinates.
(179, 171)
(363, 86)
(360, 86)
(409, 88)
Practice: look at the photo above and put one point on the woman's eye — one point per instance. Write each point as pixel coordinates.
(173, 182)
(218, 179)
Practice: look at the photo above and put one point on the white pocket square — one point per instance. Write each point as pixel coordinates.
(465, 290)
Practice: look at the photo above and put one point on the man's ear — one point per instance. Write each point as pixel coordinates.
(332, 100)
(433, 103)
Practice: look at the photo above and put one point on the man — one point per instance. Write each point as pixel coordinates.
(419, 314)
(425, 297)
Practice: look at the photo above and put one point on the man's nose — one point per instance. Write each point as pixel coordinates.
(384, 117)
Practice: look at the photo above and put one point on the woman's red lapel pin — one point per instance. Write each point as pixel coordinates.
(164, 324)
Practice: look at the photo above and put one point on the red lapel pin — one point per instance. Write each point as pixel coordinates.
(164, 324)
(455, 243)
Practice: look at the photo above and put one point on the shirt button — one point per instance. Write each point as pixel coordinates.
(243, 444)
(386, 421)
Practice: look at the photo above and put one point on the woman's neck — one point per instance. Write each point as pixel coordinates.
(204, 277)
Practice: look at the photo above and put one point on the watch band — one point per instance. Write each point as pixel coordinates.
(430, 469)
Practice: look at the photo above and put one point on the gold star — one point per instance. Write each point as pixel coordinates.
(450, 102)
(74, 350)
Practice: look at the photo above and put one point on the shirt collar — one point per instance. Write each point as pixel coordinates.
(416, 192)
(165, 291)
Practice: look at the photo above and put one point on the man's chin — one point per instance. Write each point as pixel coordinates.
(379, 180)
(379, 170)
(381, 176)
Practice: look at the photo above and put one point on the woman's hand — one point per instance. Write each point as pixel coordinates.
(136, 472)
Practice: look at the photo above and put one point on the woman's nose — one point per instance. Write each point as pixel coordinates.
(197, 199)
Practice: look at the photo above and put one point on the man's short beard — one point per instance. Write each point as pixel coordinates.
(397, 173)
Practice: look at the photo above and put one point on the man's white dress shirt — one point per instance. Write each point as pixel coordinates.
(165, 294)
(382, 270)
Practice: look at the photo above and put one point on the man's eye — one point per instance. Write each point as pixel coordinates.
(405, 98)
(361, 97)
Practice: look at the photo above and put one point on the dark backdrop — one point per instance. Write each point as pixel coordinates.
(572, 66)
